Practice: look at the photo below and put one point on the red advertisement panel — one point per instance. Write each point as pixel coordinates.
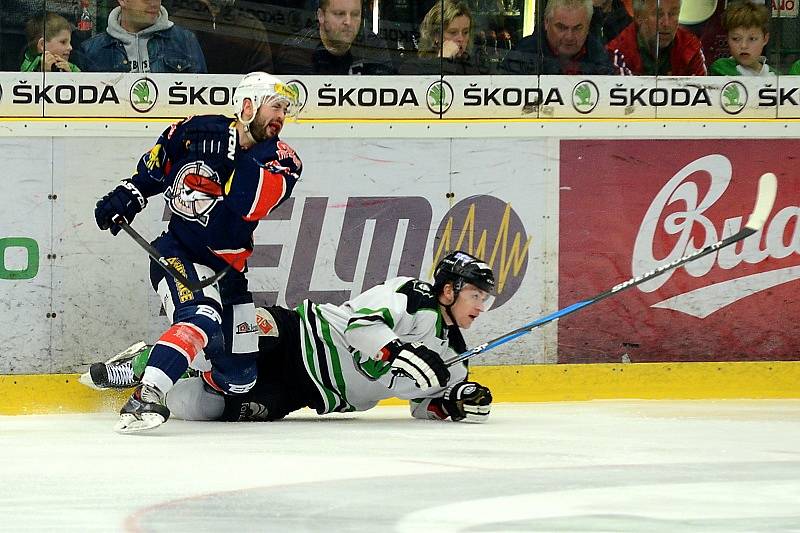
(628, 206)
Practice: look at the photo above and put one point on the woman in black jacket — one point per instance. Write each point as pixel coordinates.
(445, 44)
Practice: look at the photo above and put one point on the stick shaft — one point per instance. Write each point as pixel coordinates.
(193, 286)
(765, 199)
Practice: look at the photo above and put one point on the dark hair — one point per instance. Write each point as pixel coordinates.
(44, 26)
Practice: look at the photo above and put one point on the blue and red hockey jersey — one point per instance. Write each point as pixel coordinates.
(216, 190)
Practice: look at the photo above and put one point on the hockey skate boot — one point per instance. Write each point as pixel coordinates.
(145, 409)
(119, 372)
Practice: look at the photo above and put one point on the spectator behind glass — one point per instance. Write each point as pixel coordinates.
(568, 46)
(334, 47)
(49, 44)
(233, 41)
(141, 38)
(609, 18)
(14, 16)
(747, 25)
(452, 21)
(653, 44)
(704, 19)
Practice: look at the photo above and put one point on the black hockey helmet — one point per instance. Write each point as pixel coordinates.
(459, 268)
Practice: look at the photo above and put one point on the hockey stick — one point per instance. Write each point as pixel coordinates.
(767, 189)
(162, 261)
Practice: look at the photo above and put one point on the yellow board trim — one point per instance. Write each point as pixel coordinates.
(62, 393)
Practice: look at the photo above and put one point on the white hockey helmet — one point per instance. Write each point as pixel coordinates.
(260, 88)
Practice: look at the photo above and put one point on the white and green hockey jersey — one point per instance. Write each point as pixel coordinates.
(341, 345)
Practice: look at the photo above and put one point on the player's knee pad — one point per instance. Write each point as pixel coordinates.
(194, 329)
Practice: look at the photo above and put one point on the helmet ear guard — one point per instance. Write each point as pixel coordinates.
(262, 88)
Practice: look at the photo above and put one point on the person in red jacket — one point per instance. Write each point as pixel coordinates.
(653, 44)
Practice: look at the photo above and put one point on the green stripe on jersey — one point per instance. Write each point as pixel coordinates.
(384, 312)
(335, 362)
(330, 401)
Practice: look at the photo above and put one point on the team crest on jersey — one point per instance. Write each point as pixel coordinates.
(195, 191)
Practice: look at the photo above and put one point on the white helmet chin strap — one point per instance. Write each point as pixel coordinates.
(246, 123)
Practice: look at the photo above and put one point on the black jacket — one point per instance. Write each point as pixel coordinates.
(304, 53)
(533, 56)
(476, 63)
(609, 25)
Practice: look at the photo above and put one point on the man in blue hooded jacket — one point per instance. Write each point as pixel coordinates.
(141, 38)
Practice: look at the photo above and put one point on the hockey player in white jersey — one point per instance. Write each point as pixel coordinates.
(389, 342)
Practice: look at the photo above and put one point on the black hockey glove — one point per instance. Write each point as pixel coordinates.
(467, 401)
(125, 201)
(418, 362)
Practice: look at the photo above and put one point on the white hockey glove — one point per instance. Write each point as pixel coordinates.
(418, 362)
(467, 401)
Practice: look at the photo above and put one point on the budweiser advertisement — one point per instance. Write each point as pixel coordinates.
(627, 207)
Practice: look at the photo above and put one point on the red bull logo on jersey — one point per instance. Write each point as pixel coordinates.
(194, 193)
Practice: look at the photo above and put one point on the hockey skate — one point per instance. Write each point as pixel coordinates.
(144, 410)
(119, 372)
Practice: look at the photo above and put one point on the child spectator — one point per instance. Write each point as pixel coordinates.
(49, 44)
(747, 25)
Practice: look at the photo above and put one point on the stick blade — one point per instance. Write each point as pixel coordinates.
(767, 190)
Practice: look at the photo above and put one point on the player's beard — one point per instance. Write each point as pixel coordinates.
(261, 130)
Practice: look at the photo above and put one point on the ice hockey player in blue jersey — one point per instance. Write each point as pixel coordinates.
(391, 341)
(219, 177)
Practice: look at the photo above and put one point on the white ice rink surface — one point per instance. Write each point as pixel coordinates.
(618, 466)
